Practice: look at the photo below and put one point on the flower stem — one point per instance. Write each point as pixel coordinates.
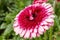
(40, 38)
(45, 36)
(50, 33)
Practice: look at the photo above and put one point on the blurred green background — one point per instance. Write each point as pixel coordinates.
(10, 8)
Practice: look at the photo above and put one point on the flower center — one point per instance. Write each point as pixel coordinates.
(31, 16)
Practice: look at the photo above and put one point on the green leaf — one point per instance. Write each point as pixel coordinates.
(2, 38)
(57, 22)
(58, 37)
(3, 26)
(16, 37)
(8, 30)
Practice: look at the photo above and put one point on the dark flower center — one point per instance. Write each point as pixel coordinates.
(32, 16)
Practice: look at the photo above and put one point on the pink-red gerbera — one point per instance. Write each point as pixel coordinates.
(40, 1)
(34, 20)
(58, 0)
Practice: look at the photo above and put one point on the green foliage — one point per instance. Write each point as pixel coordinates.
(8, 11)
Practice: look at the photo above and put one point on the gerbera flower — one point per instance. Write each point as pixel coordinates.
(39, 1)
(34, 20)
(58, 0)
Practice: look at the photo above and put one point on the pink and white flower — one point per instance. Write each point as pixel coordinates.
(58, 0)
(39, 1)
(34, 20)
